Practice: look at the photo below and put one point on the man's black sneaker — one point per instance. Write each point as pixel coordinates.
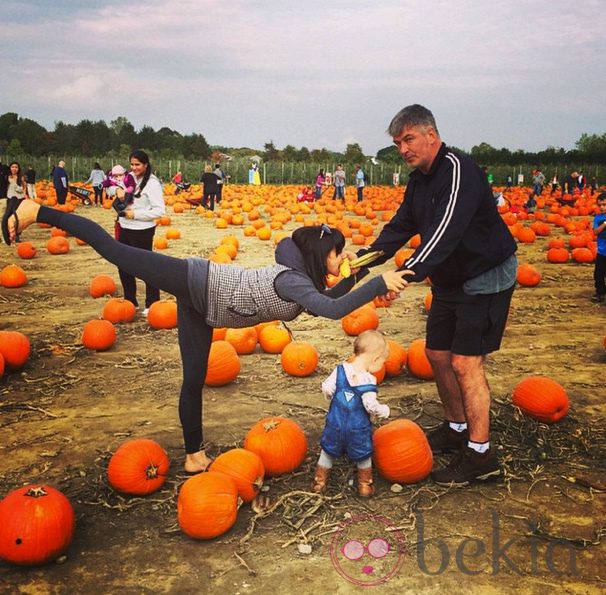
(597, 298)
(467, 466)
(444, 439)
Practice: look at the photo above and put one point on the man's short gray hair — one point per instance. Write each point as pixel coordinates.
(412, 115)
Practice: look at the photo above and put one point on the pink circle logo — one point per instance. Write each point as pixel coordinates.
(367, 550)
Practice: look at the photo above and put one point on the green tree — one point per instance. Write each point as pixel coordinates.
(303, 154)
(354, 153)
(270, 153)
(289, 153)
(389, 154)
(195, 147)
(33, 138)
(124, 133)
(7, 122)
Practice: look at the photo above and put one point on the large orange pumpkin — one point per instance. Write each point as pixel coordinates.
(15, 349)
(26, 250)
(223, 364)
(417, 362)
(360, 320)
(299, 358)
(558, 255)
(98, 335)
(102, 285)
(396, 360)
(273, 339)
(280, 443)
(245, 467)
(207, 505)
(541, 398)
(528, 275)
(119, 310)
(138, 467)
(162, 315)
(244, 340)
(401, 451)
(12, 276)
(37, 525)
(58, 245)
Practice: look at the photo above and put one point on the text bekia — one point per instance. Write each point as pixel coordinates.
(525, 555)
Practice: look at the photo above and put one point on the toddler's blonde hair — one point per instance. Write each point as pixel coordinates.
(370, 342)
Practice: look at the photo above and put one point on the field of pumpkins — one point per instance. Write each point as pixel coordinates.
(92, 480)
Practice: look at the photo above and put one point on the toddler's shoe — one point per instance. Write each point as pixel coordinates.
(320, 479)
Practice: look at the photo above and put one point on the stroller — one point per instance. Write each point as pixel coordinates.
(182, 187)
(82, 193)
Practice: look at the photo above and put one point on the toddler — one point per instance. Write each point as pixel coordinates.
(119, 178)
(352, 391)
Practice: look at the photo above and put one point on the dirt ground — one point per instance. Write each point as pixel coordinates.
(532, 531)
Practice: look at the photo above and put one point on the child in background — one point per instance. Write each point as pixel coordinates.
(305, 195)
(119, 178)
(352, 391)
(599, 271)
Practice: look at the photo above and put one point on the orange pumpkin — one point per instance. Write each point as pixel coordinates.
(360, 320)
(558, 255)
(102, 285)
(223, 364)
(12, 276)
(401, 452)
(273, 339)
(280, 443)
(99, 335)
(37, 523)
(207, 505)
(15, 349)
(244, 340)
(162, 315)
(417, 362)
(26, 250)
(299, 358)
(528, 275)
(119, 310)
(541, 398)
(138, 467)
(583, 255)
(172, 234)
(58, 245)
(245, 467)
(396, 360)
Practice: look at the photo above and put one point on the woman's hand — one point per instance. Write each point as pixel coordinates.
(120, 192)
(351, 256)
(395, 280)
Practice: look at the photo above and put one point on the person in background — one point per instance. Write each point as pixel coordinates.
(594, 185)
(137, 221)
(209, 188)
(581, 182)
(509, 182)
(15, 193)
(4, 171)
(210, 295)
(320, 181)
(30, 180)
(339, 182)
(599, 270)
(97, 178)
(360, 182)
(221, 179)
(60, 182)
(554, 183)
(352, 391)
(469, 254)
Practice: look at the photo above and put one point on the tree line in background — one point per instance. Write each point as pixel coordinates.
(88, 141)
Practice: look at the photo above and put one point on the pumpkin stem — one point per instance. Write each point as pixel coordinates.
(271, 425)
(36, 492)
(152, 471)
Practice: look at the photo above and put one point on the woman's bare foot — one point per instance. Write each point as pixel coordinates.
(197, 462)
(26, 214)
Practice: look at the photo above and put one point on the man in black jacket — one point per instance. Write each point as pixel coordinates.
(469, 254)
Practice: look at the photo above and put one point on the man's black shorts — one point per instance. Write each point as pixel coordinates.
(467, 324)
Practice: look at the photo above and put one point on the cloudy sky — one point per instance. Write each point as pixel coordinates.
(521, 74)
